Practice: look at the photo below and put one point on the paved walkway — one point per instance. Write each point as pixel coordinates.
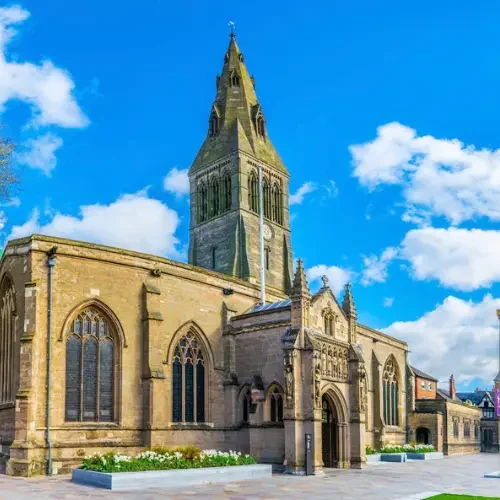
(463, 474)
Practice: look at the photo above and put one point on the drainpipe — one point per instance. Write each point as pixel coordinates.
(51, 262)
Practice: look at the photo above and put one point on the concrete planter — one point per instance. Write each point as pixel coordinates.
(393, 457)
(371, 459)
(168, 479)
(424, 456)
(495, 475)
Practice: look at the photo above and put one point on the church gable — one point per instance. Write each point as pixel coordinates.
(327, 316)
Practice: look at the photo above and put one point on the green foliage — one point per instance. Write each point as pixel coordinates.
(408, 448)
(446, 496)
(370, 450)
(164, 459)
(8, 175)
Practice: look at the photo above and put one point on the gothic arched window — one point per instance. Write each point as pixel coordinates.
(202, 202)
(226, 191)
(214, 124)
(245, 405)
(267, 258)
(214, 197)
(329, 320)
(391, 392)
(266, 192)
(7, 341)
(277, 206)
(90, 368)
(260, 125)
(235, 79)
(253, 193)
(275, 405)
(188, 381)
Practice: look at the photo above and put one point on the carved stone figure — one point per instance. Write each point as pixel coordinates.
(363, 393)
(317, 384)
(289, 379)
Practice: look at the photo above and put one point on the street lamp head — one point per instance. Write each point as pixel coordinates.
(498, 313)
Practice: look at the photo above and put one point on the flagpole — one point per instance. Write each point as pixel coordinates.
(261, 241)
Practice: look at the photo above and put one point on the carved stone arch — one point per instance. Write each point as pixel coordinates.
(6, 281)
(333, 393)
(391, 359)
(181, 331)
(244, 402)
(104, 308)
(273, 385)
(273, 406)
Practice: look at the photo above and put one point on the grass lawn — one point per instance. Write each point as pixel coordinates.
(445, 496)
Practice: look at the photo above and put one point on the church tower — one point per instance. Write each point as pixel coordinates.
(224, 227)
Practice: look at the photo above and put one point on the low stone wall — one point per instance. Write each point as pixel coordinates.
(170, 479)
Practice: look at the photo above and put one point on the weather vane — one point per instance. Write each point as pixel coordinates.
(232, 28)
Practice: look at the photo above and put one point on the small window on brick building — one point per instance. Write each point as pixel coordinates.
(430, 386)
(422, 385)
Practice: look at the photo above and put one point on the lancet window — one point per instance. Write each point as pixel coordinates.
(7, 341)
(266, 193)
(91, 368)
(253, 193)
(202, 202)
(275, 405)
(188, 381)
(214, 124)
(226, 191)
(214, 200)
(276, 204)
(329, 322)
(390, 382)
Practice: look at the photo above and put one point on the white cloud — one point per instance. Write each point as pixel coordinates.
(337, 276)
(298, 197)
(464, 259)
(13, 202)
(133, 221)
(458, 336)
(177, 182)
(375, 268)
(388, 301)
(40, 152)
(332, 189)
(46, 88)
(439, 177)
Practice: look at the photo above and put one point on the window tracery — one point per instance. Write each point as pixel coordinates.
(188, 381)
(266, 192)
(329, 322)
(91, 367)
(390, 381)
(275, 405)
(226, 191)
(7, 341)
(276, 204)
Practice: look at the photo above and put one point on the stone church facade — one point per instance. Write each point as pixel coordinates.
(103, 348)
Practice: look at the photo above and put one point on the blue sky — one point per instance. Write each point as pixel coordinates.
(385, 114)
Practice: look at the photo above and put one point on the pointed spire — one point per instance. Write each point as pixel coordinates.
(239, 111)
(300, 288)
(497, 378)
(348, 304)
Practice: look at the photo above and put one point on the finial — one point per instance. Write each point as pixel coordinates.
(324, 279)
(232, 28)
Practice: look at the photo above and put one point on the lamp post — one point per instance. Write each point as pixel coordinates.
(497, 382)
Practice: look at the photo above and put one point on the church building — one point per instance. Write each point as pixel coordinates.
(108, 349)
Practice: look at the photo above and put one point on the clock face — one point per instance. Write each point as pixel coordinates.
(268, 232)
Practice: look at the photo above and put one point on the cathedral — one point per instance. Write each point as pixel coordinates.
(105, 349)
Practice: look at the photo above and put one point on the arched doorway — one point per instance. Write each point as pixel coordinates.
(328, 434)
(423, 436)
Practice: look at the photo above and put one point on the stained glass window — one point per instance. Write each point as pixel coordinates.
(90, 368)
(391, 392)
(188, 381)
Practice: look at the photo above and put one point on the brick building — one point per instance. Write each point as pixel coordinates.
(104, 348)
(450, 425)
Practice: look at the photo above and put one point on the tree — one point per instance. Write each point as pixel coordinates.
(8, 176)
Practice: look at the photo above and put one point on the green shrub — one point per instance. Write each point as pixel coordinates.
(185, 457)
(370, 450)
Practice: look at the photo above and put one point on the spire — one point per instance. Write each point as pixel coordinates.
(239, 123)
(348, 304)
(497, 378)
(300, 288)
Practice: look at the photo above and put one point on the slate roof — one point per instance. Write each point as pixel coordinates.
(474, 397)
(422, 374)
(446, 395)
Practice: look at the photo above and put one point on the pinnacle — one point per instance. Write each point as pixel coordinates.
(348, 304)
(300, 286)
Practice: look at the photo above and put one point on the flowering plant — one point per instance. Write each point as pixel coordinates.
(407, 448)
(179, 458)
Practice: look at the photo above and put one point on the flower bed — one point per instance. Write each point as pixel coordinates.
(168, 469)
(407, 448)
(161, 459)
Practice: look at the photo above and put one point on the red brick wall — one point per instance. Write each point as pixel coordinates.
(421, 393)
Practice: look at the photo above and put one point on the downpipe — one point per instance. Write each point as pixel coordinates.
(51, 262)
